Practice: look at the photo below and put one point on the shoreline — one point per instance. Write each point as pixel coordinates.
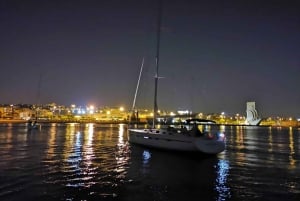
(16, 121)
(20, 121)
(6, 121)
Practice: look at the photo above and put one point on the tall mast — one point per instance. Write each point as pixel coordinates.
(38, 97)
(155, 108)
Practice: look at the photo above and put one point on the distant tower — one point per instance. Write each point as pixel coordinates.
(252, 115)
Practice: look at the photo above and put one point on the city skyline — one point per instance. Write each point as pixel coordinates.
(214, 56)
(85, 109)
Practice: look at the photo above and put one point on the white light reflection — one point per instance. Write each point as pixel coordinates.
(146, 157)
(77, 150)
(121, 138)
(89, 152)
(74, 160)
(221, 181)
(122, 154)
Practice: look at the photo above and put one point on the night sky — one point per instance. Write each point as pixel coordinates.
(214, 55)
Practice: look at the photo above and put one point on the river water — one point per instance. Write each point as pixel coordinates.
(96, 162)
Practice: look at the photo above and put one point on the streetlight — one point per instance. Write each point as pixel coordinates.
(91, 109)
(12, 111)
(237, 118)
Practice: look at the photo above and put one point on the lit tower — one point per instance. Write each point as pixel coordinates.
(252, 115)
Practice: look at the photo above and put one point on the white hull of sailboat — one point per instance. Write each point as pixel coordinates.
(163, 139)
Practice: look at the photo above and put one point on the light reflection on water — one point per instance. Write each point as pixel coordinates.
(264, 163)
(122, 155)
(146, 156)
(292, 149)
(221, 186)
(96, 162)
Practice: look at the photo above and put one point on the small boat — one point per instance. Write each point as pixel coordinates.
(33, 125)
(188, 138)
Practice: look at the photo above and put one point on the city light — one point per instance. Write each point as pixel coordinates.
(91, 109)
(91, 113)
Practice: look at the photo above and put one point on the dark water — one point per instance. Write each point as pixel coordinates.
(95, 162)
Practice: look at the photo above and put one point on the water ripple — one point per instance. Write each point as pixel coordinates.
(95, 162)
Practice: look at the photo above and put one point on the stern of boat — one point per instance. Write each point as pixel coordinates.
(211, 144)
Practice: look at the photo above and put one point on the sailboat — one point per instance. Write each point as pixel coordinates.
(187, 138)
(32, 123)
